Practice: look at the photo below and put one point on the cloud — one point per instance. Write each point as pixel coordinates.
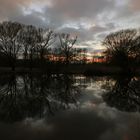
(90, 19)
(81, 8)
(11, 8)
(34, 18)
(135, 4)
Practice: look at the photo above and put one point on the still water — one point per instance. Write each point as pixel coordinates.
(69, 107)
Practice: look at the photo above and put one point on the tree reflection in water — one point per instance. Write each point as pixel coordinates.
(125, 94)
(23, 96)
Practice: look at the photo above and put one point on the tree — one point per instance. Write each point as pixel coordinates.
(46, 39)
(66, 44)
(122, 46)
(84, 57)
(29, 37)
(9, 45)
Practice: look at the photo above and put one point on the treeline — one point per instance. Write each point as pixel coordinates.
(30, 46)
(27, 44)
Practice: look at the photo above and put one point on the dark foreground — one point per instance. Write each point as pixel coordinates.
(69, 107)
(67, 69)
(87, 69)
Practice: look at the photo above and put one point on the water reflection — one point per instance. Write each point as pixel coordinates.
(41, 95)
(124, 94)
(69, 107)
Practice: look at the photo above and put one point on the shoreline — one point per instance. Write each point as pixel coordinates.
(72, 69)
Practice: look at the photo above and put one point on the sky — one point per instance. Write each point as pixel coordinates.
(90, 20)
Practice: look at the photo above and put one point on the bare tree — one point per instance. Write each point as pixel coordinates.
(29, 37)
(120, 46)
(46, 39)
(9, 44)
(84, 55)
(66, 43)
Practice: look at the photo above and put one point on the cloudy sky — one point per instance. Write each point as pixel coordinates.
(91, 20)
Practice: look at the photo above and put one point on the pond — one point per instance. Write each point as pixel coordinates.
(69, 107)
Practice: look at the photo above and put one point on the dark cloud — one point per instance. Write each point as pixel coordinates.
(11, 8)
(34, 18)
(81, 8)
(97, 29)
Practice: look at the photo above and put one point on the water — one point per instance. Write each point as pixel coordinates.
(69, 107)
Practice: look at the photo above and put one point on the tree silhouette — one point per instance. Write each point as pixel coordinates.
(122, 47)
(9, 45)
(26, 44)
(29, 38)
(47, 38)
(66, 44)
